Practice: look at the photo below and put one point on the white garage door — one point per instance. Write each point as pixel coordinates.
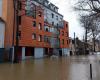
(2, 34)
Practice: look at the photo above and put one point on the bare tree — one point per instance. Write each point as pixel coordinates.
(90, 6)
(89, 18)
(91, 25)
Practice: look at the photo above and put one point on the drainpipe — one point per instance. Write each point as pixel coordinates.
(13, 31)
(16, 2)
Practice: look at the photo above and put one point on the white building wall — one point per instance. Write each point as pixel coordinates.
(39, 52)
(48, 16)
(23, 53)
(0, 8)
(2, 34)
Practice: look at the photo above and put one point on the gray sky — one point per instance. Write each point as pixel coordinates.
(65, 8)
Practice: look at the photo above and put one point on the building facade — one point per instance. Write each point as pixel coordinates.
(39, 27)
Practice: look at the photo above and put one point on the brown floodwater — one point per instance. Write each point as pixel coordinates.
(65, 68)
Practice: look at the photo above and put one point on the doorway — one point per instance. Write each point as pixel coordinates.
(60, 52)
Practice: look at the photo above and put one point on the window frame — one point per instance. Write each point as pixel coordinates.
(52, 15)
(40, 26)
(40, 38)
(34, 36)
(63, 41)
(34, 24)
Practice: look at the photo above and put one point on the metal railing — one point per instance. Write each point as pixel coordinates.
(55, 43)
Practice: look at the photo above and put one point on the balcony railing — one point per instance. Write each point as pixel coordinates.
(55, 43)
(60, 24)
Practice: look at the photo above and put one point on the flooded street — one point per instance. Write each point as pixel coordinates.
(66, 68)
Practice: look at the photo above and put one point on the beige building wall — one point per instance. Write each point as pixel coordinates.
(8, 17)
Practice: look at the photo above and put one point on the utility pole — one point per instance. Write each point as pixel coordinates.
(75, 42)
(84, 44)
(86, 41)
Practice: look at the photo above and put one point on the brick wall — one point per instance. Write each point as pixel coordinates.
(64, 35)
(27, 29)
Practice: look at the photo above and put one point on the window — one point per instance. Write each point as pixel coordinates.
(19, 34)
(62, 32)
(61, 19)
(30, 10)
(56, 17)
(34, 36)
(46, 39)
(52, 15)
(63, 41)
(52, 23)
(20, 5)
(40, 38)
(19, 20)
(67, 42)
(47, 29)
(34, 23)
(31, 13)
(66, 25)
(66, 34)
(40, 26)
(57, 24)
(40, 13)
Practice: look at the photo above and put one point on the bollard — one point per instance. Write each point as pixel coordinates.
(91, 71)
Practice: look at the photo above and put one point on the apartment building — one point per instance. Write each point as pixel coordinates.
(38, 26)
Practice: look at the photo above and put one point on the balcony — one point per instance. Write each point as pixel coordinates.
(60, 24)
(55, 32)
(54, 42)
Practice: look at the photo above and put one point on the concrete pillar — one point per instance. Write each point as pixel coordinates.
(23, 53)
(38, 52)
(13, 54)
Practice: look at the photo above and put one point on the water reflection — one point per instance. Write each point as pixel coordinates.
(66, 68)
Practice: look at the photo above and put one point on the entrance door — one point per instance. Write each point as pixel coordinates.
(46, 51)
(29, 51)
(60, 52)
(32, 51)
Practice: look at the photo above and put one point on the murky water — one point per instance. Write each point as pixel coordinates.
(66, 68)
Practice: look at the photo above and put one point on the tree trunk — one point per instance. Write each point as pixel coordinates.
(93, 41)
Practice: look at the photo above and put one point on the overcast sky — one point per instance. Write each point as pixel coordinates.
(65, 8)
